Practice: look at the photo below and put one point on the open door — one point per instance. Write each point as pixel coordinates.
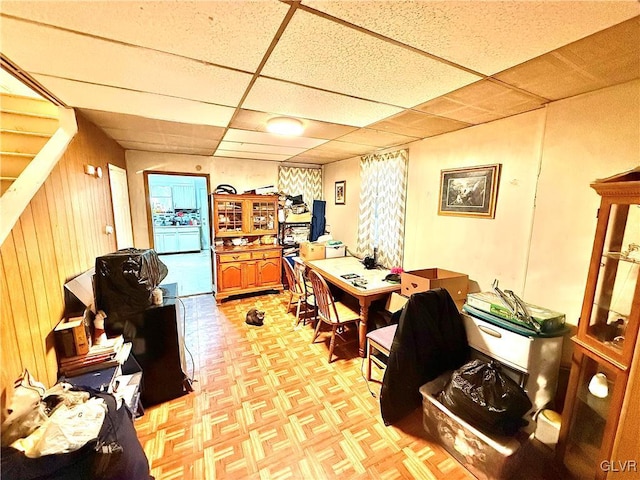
(121, 206)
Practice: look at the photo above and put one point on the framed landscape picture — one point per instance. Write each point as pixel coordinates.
(470, 191)
(341, 191)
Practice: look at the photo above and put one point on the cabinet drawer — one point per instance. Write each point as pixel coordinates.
(499, 343)
(266, 254)
(234, 257)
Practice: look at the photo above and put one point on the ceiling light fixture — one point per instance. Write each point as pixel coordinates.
(285, 126)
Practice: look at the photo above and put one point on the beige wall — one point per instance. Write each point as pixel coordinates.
(540, 241)
(242, 174)
(587, 137)
(342, 220)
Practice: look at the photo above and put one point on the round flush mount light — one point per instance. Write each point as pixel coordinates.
(285, 126)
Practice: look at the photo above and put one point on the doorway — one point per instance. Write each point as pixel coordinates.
(179, 228)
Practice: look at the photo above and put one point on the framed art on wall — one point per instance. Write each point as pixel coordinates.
(470, 191)
(341, 191)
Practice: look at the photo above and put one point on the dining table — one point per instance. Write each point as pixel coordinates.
(366, 285)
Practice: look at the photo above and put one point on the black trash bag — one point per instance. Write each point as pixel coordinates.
(479, 393)
(125, 279)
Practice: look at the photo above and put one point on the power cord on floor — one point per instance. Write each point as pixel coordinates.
(190, 378)
(365, 378)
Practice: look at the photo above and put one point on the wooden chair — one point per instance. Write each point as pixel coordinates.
(336, 314)
(381, 340)
(296, 288)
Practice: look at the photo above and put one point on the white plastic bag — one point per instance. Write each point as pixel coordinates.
(66, 430)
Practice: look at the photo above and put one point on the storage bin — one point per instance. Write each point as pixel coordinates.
(415, 281)
(333, 251)
(312, 251)
(487, 457)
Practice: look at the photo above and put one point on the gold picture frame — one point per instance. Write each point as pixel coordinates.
(341, 192)
(469, 191)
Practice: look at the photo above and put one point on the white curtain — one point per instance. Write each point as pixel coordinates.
(383, 193)
(301, 181)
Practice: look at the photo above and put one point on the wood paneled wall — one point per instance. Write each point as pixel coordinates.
(58, 236)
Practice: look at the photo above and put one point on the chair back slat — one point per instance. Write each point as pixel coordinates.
(292, 278)
(324, 299)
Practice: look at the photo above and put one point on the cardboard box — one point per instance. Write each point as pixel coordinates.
(312, 251)
(395, 302)
(487, 457)
(333, 251)
(415, 281)
(72, 337)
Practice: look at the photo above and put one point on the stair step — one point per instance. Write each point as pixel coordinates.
(25, 122)
(4, 185)
(18, 103)
(11, 166)
(22, 142)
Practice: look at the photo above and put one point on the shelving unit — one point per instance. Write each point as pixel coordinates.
(254, 266)
(599, 425)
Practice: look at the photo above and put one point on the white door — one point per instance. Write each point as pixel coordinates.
(121, 208)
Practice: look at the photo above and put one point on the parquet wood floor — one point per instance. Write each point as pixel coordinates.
(267, 405)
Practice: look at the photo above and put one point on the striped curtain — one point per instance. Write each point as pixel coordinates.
(301, 181)
(383, 193)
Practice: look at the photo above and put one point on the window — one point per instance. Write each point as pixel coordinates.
(383, 193)
(301, 181)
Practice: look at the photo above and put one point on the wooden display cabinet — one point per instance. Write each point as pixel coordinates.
(252, 267)
(602, 395)
(244, 215)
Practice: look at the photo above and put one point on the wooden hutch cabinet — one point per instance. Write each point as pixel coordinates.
(600, 434)
(256, 264)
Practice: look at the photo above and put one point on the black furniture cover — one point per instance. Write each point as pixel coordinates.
(430, 340)
(125, 279)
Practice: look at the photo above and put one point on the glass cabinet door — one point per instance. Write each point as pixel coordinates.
(263, 216)
(612, 321)
(587, 441)
(228, 217)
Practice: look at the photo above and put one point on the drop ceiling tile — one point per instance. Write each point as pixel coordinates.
(311, 159)
(128, 135)
(376, 138)
(246, 136)
(351, 149)
(252, 120)
(487, 37)
(357, 64)
(95, 97)
(600, 60)
(232, 33)
(109, 120)
(481, 102)
(84, 58)
(284, 98)
(320, 157)
(251, 155)
(152, 147)
(257, 148)
(417, 124)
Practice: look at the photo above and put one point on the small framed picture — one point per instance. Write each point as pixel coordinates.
(341, 191)
(469, 192)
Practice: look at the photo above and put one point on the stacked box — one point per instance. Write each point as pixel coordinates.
(334, 251)
(415, 281)
(312, 251)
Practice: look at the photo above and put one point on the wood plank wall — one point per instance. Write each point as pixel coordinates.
(58, 236)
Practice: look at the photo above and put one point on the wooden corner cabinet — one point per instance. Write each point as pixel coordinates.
(256, 264)
(600, 434)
